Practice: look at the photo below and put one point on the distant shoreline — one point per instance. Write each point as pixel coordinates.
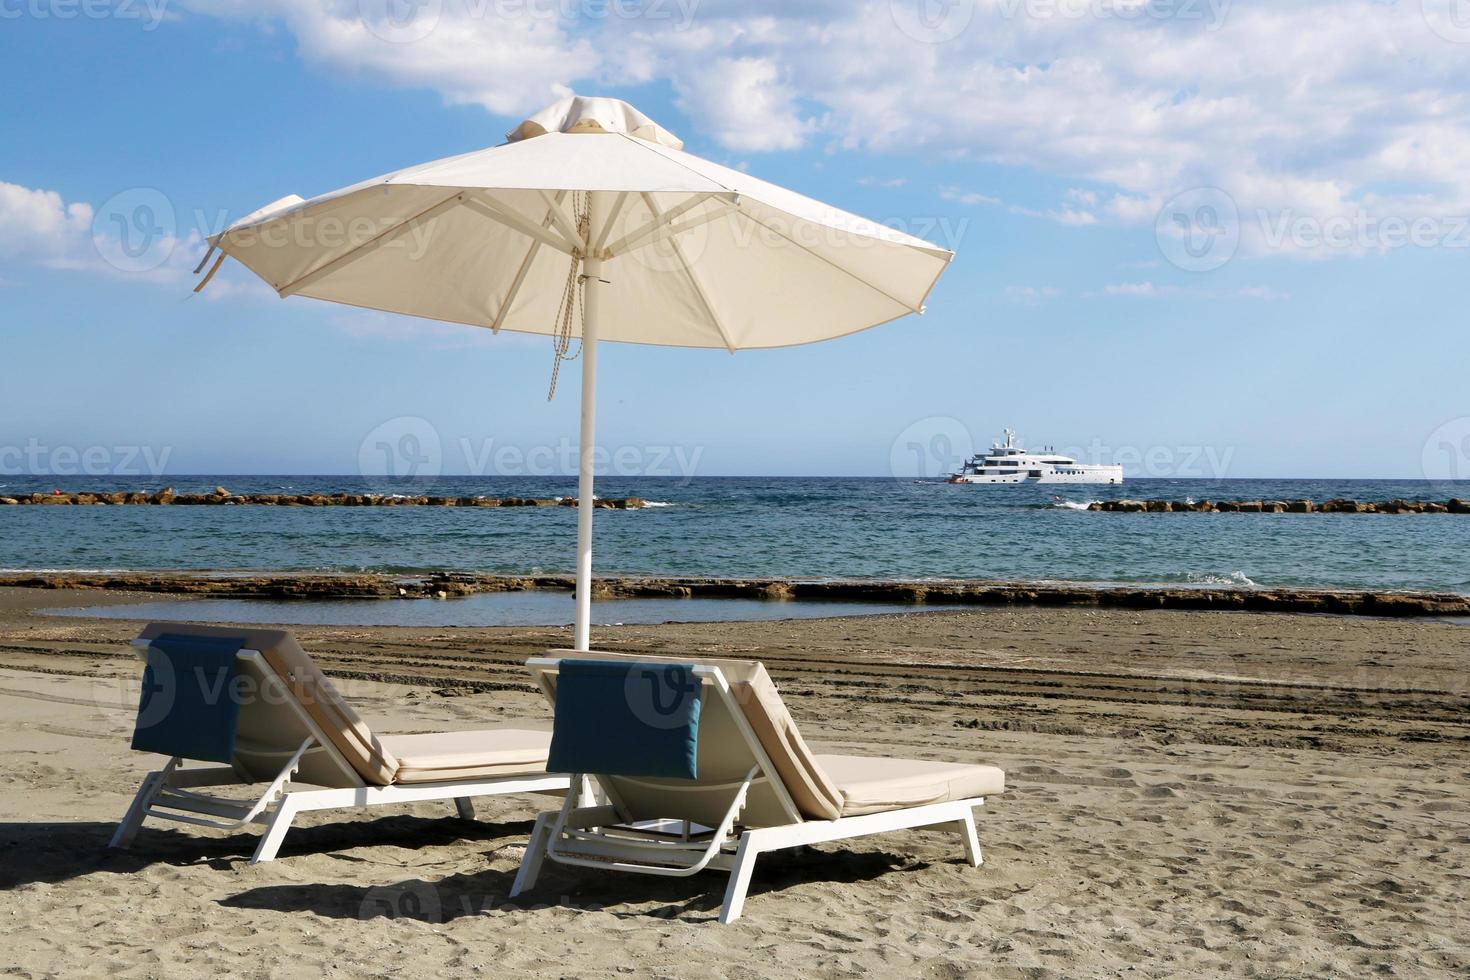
(940, 592)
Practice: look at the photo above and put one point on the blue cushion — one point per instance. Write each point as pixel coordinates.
(626, 719)
(190, 704)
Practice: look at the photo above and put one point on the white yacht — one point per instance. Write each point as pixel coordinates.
(1009, 463)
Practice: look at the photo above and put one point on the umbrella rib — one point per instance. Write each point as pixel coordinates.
(671, 230)
(709, 310)
(378, 240)
(661, 151)
(608, 222)
(520, 277)
(563, 223)
(517, 222)
(846, 272)
(635, 239)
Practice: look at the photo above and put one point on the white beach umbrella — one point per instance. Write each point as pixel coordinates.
(667, 248)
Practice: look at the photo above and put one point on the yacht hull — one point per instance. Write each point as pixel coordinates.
(1107, 475)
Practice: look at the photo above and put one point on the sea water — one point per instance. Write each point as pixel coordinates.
(745, 526)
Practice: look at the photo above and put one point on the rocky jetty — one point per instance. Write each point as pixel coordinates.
(950, 592)
(1335, 506)
(223, 497)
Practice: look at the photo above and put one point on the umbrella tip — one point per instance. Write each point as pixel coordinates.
(593, 114)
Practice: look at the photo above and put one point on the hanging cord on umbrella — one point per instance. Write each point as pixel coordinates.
(573, 306)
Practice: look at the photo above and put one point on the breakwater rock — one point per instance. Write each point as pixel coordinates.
(942, 592)
(223, 497)
(1336, 506)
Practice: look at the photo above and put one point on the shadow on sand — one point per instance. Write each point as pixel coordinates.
(51, 852)
(486, 892)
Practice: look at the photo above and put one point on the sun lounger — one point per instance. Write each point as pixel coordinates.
(253, 700)
(702, 767)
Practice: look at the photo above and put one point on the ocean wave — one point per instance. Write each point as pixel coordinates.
(658, 503)
(1075, 504)
(1212, 578)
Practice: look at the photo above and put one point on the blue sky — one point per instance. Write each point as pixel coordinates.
(1042, 143)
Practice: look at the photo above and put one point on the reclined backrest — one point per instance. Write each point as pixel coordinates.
(722, 756)
(260, 723)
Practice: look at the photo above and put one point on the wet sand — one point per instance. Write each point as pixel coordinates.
(1263, 794)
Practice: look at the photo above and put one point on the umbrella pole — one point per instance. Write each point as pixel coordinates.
(592, 269)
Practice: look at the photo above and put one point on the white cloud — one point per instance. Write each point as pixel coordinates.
(744, 103)
(1133, 289)
(1316, 108)
(1152, 290)
(463, 49)
(1264, 293)
(1031, 295)
(882, 182)
(969, 197)
(39, 224)
(39, 227)
(1066, 214)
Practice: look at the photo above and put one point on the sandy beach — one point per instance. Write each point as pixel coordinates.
(1267, 795)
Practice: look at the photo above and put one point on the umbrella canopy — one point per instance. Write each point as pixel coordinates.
(669, 249)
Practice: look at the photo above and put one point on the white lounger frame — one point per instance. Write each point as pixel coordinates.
(592, 837)
(169, 793)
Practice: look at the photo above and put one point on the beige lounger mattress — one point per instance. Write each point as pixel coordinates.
(467, 755)
(875, 784)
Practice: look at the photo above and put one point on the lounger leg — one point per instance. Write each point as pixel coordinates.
(535, 853)
(147, 792)
(739, 878)
(465, 807)
(972, 841)
(275, 831)
(588, 793)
